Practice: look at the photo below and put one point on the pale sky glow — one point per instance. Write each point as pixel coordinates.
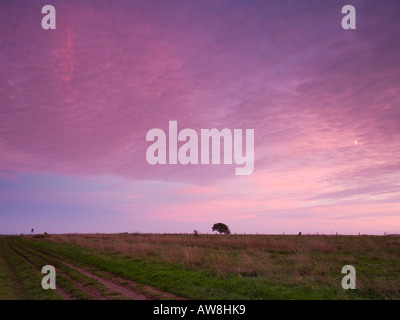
(76, 104)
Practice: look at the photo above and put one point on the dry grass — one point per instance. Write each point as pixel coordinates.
(244, 255)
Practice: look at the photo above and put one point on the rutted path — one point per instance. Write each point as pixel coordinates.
(127, 289)
(65, 295)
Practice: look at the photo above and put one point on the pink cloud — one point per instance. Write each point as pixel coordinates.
(79, 101)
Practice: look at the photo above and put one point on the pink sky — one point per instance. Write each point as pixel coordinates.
(76, 104)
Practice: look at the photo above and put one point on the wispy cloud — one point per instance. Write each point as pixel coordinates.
(78, 101)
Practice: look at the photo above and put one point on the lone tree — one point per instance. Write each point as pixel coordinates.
(221, 228)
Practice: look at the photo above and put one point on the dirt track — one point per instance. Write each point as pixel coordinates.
(121, 288)
(64, 294)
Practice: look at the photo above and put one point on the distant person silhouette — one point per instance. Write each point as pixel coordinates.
(32, 231)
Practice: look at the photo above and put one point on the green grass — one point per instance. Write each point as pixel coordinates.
(65, 282)
(68, 285)
(26, 280)
(9, 288)
(297, 274)
(232, 267)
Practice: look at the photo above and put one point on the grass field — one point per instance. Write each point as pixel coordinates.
(150, 266)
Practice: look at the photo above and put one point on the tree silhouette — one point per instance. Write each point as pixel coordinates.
(221, 228)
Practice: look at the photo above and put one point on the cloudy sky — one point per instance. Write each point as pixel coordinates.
(76, 104)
